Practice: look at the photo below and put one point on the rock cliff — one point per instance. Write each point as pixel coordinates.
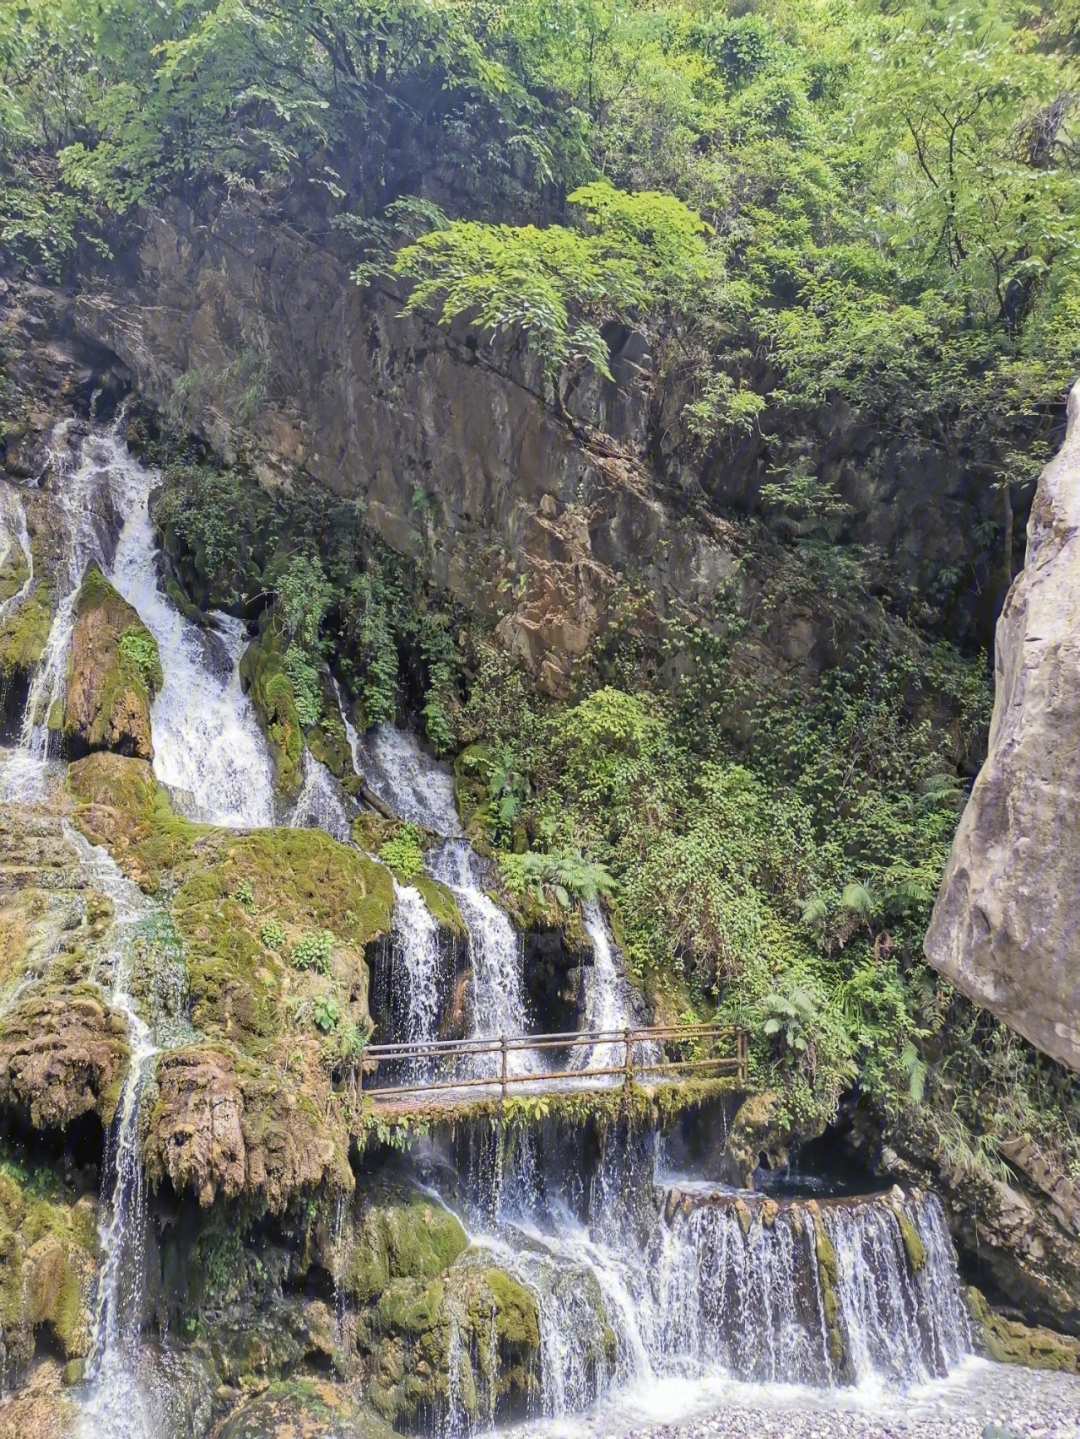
(1006, 927)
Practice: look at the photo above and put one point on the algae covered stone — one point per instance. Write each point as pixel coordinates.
(114, 672)
(304, 1409)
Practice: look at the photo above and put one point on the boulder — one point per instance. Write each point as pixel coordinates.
(62, 1056)
(223, 1126)
(114, 671)
(1006, 926)
(299, 1409)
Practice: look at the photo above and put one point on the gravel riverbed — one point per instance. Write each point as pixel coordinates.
(1025, 1403)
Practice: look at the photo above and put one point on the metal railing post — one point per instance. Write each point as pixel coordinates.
(628, 1067)
(504, 1068)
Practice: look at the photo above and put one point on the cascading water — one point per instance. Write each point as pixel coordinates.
(416, 962)
(208, 749)
(416, 787)
(115, 1403)
(14, 532)
(77, 491)
(320, 804)
(635, 1284)
(499, 1006)
(632, 1284)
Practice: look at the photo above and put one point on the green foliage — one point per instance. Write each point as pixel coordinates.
(245, 895)
(325, 1011)
(306, 686)
(569, 879)
(313, 950)
(556, 286)
(303, 596)
(139, 648)
(369, 628)
(273, 934)
(404, 853)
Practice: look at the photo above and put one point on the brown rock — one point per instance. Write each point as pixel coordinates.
(223, 1126)
(61, 1058)
(113, 674)
(196, 1136)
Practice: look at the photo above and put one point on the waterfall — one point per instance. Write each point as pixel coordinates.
(14, 532)
(416, 962)
(115, 1402)
(77, 492)
(208, 748)
(609, 998)
(635, 1285)
(499, 1006)
(320, 803)
(415, 786)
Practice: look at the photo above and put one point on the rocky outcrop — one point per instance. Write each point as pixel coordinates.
(1007, 1341)
(311, 1410)
(458, 461)
(114, 671)
(222, 1128)
(1006, 927)
(62, 1057)
(1019, 1248)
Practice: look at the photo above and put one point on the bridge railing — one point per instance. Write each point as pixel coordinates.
(507, 1064)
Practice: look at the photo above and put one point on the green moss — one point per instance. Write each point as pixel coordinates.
(24, 632)
(14, 573)
(442, 904)
(140, 654)
(1008, 1342)
(516, 1319)
(829, 1279)
(913, 1245)
(406, 1238)
(266, 679)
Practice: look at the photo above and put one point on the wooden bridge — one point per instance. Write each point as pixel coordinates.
(467, 1069)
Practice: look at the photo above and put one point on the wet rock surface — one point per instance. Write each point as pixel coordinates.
(114, 671)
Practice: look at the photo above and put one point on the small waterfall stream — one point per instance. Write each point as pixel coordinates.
(115, 1403)
(499, 1005)
(208, 748)
(319, 804)
(77, 489)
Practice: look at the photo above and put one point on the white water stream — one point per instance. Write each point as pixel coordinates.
(208, 748)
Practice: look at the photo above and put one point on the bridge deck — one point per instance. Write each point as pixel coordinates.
(465, 1070)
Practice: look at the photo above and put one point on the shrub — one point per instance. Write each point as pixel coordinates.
(139, 648)
(325, 1011)
(273, 934)
(403, 853)
(313, 951)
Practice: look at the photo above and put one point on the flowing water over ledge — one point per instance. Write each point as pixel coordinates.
(644, 1298)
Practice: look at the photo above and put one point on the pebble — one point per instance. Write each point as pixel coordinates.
(982, 1401)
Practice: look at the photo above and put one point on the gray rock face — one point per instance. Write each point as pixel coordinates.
(1006, 927)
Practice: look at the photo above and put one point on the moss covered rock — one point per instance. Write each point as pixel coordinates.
(469, 1340)
(267, 681)
(62, 1056)
(1009, 1342)
(41, 1409)
(304, 1409)
(114, 671)
(24, 629)
(48, 1252)
(401, 1237)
